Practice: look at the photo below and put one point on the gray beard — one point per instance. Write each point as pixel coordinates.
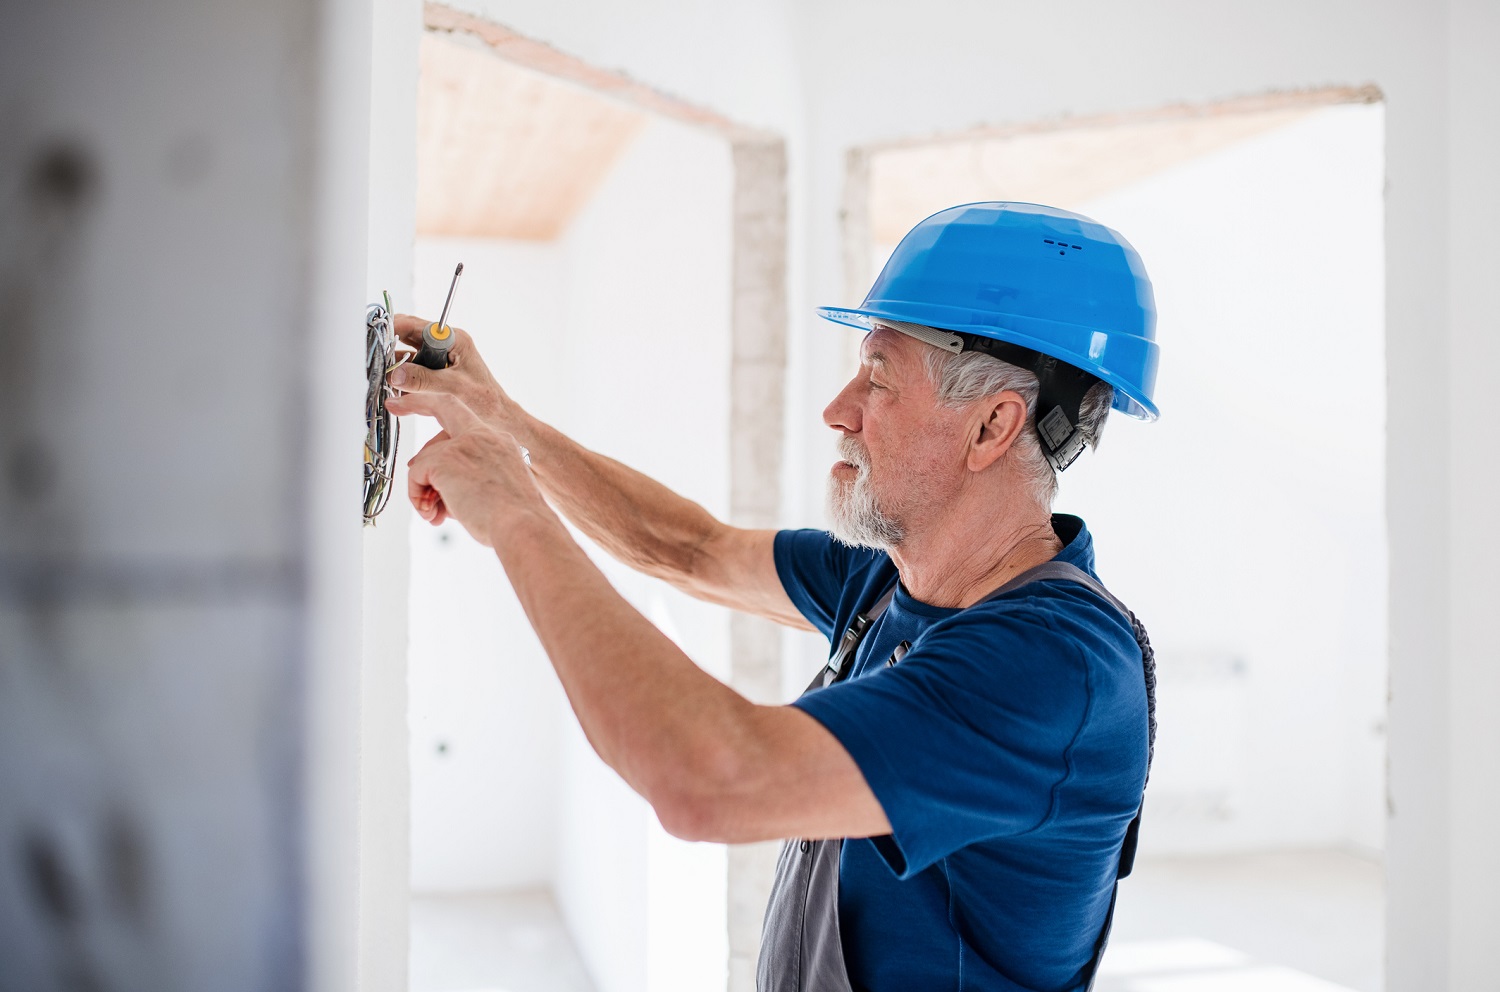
(857, 519)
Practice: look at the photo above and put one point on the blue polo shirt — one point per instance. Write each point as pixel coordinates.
(1008, 750)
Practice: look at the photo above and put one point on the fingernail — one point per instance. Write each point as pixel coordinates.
(398, 375)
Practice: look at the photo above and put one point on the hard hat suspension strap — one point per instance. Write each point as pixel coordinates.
(1062, 388)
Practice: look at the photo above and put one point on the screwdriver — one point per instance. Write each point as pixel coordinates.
(438, 338)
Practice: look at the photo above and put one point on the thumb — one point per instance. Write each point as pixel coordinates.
(409, 377)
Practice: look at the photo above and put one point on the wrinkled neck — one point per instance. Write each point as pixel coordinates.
(966, 557)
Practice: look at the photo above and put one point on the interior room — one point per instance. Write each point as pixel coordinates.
(252, 739)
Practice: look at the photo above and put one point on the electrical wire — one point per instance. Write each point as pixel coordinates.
(382, 431)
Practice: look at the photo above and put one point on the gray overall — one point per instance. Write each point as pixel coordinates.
(800, 947)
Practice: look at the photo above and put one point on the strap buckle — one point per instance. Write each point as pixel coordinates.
(847, 646)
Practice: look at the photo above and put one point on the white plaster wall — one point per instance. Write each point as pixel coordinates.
(1473, 676)
(1266, 256)
(332, 419)
(1247, 526)
(486, 708)
(384, 781)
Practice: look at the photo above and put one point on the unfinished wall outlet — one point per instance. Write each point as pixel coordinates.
(382, 431)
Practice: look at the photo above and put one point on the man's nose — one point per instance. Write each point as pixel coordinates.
(843, 413)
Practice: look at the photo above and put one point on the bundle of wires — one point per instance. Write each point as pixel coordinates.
(383, 431)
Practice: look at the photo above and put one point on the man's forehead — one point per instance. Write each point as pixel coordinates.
(881, 346)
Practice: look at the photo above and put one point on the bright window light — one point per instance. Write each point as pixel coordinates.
(1266, 979)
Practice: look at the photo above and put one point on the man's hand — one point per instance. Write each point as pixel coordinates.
(479, 478)
(637, 520)
(461, 396)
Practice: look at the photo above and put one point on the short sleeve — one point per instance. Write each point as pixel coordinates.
(966, 739)
(814, 569)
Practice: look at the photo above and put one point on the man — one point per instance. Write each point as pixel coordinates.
(962, 776)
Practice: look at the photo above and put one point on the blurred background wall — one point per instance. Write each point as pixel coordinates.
(183, 229)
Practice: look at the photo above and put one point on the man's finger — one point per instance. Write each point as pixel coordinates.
(450, 413)
(425, 499)
(425, 404)
(409, 377)
(409, 329)
(434, 443)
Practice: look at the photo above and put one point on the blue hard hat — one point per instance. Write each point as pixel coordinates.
(1045, 279)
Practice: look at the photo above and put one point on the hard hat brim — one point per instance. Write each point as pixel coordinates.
(1087, 348)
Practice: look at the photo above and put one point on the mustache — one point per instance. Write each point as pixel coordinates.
(853, 452)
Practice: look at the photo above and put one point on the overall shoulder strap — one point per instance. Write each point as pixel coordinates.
(1061, 570)
(1065, 571)
(842, 660)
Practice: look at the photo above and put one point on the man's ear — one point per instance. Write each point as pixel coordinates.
(1001, 420)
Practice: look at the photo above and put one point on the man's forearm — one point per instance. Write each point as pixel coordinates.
(712, 764)
(635, 518)
(667, 727)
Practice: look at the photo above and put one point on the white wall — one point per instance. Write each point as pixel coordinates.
(1266, 256)
(1247, 526)
(485, 704)
(384, 781)
(1469, 677)
(619, 335)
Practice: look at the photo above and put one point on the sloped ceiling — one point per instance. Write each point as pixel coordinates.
(504, 151)
(1062, 167)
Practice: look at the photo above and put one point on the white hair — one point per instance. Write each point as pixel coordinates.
(964, 378)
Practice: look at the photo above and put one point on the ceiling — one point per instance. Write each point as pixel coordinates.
(504, 151)
(1064, 167)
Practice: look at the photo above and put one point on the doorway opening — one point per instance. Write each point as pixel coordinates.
(624, 264)
(1261, 224)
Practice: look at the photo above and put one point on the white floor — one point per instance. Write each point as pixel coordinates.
(1290, 922)
(1310, 921)
(503, 942)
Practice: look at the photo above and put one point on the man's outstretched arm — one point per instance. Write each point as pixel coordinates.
(712, 764)
(636, 519)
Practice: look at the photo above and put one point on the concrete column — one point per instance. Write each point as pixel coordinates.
(757, 373)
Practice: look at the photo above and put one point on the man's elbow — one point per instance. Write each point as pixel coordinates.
(687, 817)
(705, 804)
